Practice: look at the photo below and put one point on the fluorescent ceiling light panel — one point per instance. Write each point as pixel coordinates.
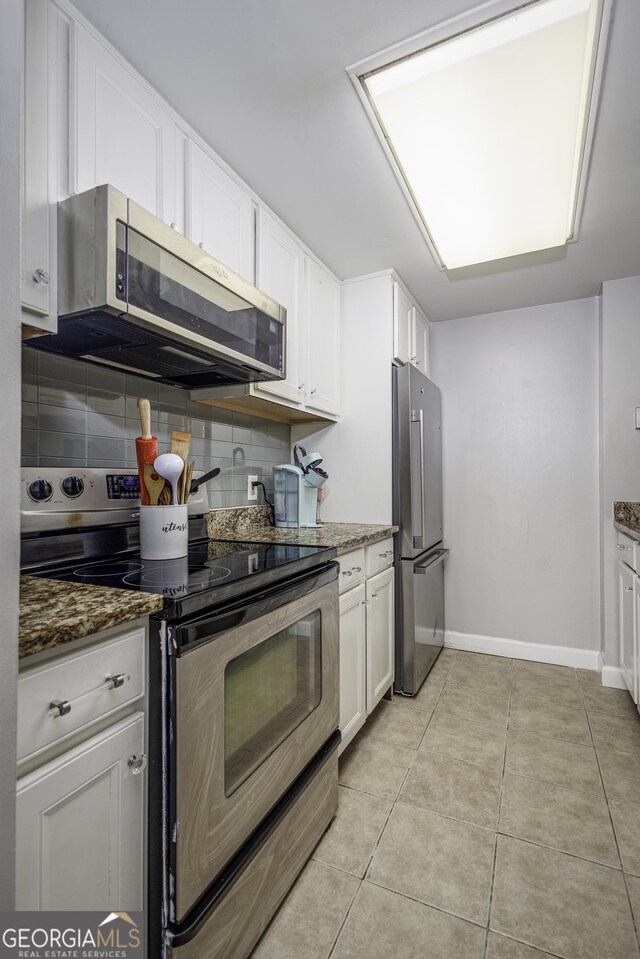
(487, 129)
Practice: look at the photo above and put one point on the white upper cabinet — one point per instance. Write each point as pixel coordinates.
(90, 119)
(410, 330)
(281, 274)
(39, 151)
(219, 213)
(402, 307)
(323, 340)
(119, 132)
(420, 337)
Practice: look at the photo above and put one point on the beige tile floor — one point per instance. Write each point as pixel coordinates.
(494, 816)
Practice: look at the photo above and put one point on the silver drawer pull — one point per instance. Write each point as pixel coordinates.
(628, 589)
(62, 707)
(620, 546)
(356, 569)
(387, 552)
(59, 707)
(347, 572)
(137, 763)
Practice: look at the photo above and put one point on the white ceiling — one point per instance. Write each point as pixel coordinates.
(264, 82)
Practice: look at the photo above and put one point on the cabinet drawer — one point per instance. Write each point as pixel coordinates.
(628, 550)
(352, 569)
(81, 681)
(379, 556)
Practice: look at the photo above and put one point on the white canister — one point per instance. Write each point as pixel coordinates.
(164, 532)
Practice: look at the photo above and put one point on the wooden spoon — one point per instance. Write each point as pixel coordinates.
(187, 485)
(154, 484)
(180, 444)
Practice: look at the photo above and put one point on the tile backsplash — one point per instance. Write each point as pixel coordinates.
(75, 414)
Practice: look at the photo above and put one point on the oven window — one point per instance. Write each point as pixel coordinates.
(268, 692)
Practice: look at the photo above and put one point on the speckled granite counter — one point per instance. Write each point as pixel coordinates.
(53, 612)
(250, 524)
(626, 519)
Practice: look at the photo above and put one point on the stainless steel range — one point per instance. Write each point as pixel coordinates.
(243, 683)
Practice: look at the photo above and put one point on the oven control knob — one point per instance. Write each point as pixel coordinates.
(72, 486)
(40, 491)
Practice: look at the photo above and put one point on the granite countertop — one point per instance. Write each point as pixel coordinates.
(53, 612)
(626, 519)
(251, 524)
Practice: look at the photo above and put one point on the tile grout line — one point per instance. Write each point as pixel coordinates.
(346, 916)
(636, 926)
(382, 831)
(396, 801)
(495, 848)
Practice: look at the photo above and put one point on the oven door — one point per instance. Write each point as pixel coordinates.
(255, 697)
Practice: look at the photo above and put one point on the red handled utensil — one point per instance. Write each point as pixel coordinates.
(146, 448)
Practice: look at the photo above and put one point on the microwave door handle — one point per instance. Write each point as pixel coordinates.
(417, 478)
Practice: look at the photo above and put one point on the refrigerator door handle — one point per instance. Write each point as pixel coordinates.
(417, 488)
(432, 560)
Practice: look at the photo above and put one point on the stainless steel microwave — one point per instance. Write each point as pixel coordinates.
(136, 295)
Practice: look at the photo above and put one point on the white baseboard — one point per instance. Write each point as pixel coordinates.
(612, 676)
(518, 649)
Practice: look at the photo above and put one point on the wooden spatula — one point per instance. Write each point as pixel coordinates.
(146, 448)
(154, 484)
(180, 444)
(187, 483)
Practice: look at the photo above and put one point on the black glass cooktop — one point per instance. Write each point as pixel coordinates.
(211, 573)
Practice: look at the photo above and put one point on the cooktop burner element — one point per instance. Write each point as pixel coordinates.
(106, 569)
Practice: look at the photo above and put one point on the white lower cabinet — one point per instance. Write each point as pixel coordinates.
(366, 636)
(80, 798)
(380, 636)
(353, 664)
(80, 826)
(628, 601)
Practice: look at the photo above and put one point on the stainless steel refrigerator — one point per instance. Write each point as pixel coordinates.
(417, 509)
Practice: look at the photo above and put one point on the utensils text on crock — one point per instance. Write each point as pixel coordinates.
(170, 465)
(154, 484)
(197, 483)
(146, 447)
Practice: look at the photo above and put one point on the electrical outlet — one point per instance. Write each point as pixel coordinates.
(252, 491)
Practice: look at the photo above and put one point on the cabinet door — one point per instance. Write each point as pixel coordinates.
(380, 636)
(402, 308)
(280, 274)
(219, 213)
(80, 826)
(353, 664)
(420, 340)
(38, 279)
(120, 134)
(323, 340)
(627, 608)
